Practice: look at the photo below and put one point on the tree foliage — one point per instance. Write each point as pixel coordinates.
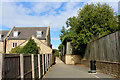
(16, 50)
(60, 47)
(65, 35)
(56, 52)
(92, 21)
(31, 47)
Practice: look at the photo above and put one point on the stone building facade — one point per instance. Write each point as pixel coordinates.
(19, 36)
(2, 40)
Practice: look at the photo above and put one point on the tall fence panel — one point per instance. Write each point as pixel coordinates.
(106, 48)
(11, 66)
(24, 65)
(27, 69)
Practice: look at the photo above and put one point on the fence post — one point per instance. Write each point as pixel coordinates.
(39, 71)
(21, 66)
(50, 60)
(43, 64)
(47, 61)
(33, 68)
(1, 66)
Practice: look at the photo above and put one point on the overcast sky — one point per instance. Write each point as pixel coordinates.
(43, 13)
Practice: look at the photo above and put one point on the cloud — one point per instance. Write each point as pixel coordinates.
(18, 15)
(102, 0)
(43, 0)
(55, 47)
(59, 0)
(42, 13)
(45, 7)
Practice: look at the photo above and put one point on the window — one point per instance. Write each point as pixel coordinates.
(15, 33)
(14, 45)
(39, 33)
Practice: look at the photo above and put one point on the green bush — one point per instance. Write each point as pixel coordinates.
(16, 50)
(30, 48)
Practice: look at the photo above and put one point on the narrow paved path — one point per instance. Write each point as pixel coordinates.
(61, 70)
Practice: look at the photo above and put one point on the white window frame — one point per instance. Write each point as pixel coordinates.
(14, 44)
(15, 33)
(39, 34)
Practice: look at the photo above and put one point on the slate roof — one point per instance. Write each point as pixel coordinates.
(4, 33)
(25, 33)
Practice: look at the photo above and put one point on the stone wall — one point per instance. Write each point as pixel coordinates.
(72, 59)
(1, 47)
(85, 62)
(67, 56)
(111, 68)
(107, 67)
(43, 47)
(48, 39)
(63, 58)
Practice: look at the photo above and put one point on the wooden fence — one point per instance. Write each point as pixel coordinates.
(20, 66)
(106, 48)
(106, 52)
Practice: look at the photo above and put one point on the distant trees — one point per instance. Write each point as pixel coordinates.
(60, 47)
(92, 21)
(30, 48)
(56, 52)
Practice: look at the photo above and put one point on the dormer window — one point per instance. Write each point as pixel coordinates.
(15, 34)
(0, 36)
(39, 33)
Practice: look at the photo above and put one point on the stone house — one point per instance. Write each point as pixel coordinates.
(2, 39)
(19, 36)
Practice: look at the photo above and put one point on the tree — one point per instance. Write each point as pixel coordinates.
(60, 47)
(92, 21)
(63, 32)
(56, 52)
(31, 47)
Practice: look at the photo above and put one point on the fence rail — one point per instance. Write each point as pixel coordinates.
(24, 65)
